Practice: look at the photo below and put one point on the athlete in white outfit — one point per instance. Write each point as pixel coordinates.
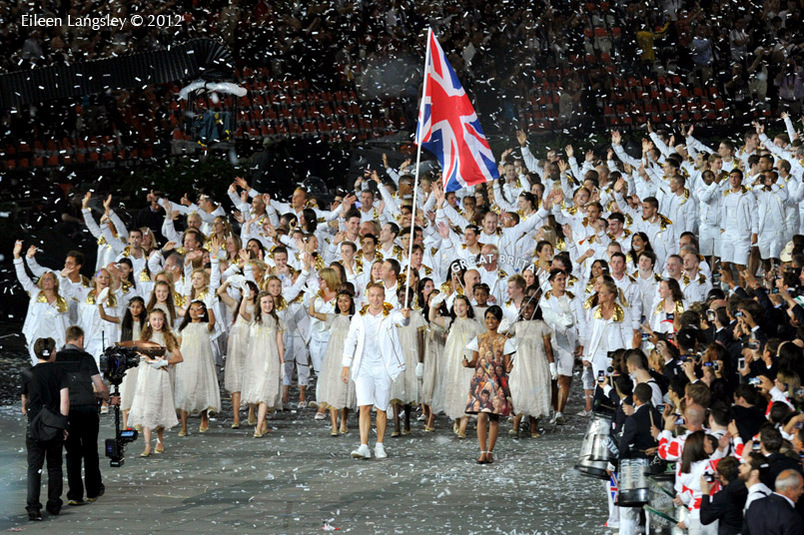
(372, 356)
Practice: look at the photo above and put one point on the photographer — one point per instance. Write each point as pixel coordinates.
(82, 443)
(44, 387)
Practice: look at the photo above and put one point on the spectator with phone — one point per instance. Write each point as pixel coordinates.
(748, 411)
(773, 446)
(670, 447)
(756, 362)
(726, 506)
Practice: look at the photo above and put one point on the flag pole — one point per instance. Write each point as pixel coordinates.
(416, 170)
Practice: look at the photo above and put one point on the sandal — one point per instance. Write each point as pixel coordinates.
(160, 448)
(483, 459)
(489, 457)
(429, 429)
(146, 453)
(395, 434)
(333, 433)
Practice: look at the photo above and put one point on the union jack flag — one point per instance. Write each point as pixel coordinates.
(448, 125)
(613, 485)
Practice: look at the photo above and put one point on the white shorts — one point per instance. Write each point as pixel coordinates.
(709, 240)
(735, 249)
(373, 387)
(588, 378)
(565, 360)
(771, 244)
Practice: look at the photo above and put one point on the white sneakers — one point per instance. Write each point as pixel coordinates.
(364, 453)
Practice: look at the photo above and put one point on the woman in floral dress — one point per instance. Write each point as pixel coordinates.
(489, 396)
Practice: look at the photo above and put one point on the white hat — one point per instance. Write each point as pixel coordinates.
(787, 252)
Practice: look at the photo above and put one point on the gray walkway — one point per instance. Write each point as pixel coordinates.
(299, 477)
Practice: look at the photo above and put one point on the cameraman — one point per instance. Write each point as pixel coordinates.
(82, 442)
(44, 386)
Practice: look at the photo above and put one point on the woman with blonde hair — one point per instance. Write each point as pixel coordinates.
(148, 242)
(48, 312)
(323, 302)
(100, 315)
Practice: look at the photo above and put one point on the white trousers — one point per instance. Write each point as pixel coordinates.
(296, 355)
(318, 346)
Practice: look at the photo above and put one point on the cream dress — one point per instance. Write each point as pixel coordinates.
(262, 379)
(236, 352)
(432, 390)
(196, 380)
(529, 380)
(153, 405)
(333, 392)
(405, 388)
(129, 384)
(456, 376)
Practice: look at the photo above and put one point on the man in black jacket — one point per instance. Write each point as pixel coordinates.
(771, 442)
(636, 438)
(726, 505)
(748, 415)
(776, 514)
(82, 443)
(44, 386)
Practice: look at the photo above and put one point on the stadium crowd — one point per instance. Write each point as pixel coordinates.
(503, 51)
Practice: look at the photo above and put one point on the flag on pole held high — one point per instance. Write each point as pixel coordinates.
(448, 125)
